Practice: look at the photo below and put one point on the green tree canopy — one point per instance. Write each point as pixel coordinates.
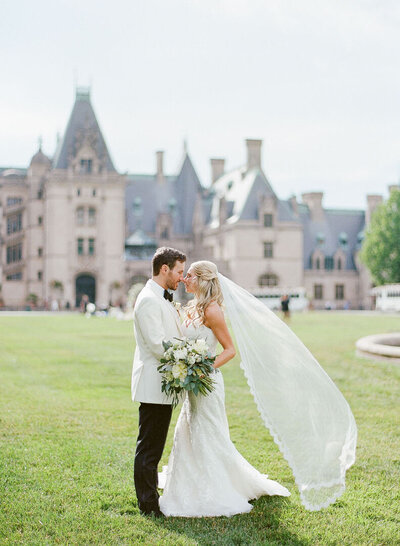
(381, 248)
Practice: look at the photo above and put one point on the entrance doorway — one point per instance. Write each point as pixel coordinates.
(85, 284)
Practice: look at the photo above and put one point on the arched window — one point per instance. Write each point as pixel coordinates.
(268, 279)
(339, 263)
(317, 263)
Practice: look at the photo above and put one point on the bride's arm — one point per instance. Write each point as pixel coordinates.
(215, 320)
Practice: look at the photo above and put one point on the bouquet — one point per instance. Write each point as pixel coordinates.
(186, 366)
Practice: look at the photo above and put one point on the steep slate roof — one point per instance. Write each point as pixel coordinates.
(242, 189)
(83, 119)
(146, 197)
(335, 222)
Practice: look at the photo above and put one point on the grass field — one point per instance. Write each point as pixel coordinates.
(68, 431)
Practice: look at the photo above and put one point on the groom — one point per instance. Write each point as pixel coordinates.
(155, 320)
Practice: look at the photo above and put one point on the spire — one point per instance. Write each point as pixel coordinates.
(83, 133)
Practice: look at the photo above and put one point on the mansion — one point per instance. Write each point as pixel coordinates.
(72, 225)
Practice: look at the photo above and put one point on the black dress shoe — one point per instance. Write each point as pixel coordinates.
(155, 513)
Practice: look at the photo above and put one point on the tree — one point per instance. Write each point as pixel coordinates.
(381, 248)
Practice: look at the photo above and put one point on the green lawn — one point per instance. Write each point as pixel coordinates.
(68, 431)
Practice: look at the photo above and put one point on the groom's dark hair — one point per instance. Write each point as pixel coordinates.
(167, 256)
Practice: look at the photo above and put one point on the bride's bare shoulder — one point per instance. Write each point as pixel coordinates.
(213, 312)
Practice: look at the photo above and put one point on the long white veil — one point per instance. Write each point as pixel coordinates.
(305, 412)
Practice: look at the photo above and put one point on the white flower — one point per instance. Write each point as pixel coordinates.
(201, 346)
(176, 370)
(179, 371)
(191, 359)
(180, 354)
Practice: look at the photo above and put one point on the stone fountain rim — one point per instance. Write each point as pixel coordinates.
(375, 345)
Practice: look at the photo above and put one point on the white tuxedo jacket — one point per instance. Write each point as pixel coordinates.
(154, 320)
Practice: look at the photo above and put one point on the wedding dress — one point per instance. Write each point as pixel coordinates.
(206, 475)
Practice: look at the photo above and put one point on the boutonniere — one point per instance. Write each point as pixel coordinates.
(177, 305)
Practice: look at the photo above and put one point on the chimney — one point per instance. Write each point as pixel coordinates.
(294, 204)
(217, 168)
(253, 153)
(160, 167)
(314, 201)
(372, 202)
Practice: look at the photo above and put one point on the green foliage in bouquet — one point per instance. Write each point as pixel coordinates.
(186, 366)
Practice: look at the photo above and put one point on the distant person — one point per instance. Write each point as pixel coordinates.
(285, 306)
(83, 303)
(54, 305)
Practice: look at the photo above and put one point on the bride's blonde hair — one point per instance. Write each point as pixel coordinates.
(208, 289)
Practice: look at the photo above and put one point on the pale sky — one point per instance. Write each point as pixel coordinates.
(317, 80)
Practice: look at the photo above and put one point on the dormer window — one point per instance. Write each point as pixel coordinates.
(86, 166)
(172, 206)
(137, 206)
(343, 238)
(267, 220)
(165, 233)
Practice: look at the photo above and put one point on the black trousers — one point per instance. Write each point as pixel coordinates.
(154, 421)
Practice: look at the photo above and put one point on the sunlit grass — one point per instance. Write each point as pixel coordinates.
(68, 431)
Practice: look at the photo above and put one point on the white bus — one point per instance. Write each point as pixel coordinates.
(387, 297)
(271, 297)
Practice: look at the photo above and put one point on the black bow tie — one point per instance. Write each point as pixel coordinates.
(168, 296)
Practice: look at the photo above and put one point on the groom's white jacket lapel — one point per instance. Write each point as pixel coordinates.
(154, 320)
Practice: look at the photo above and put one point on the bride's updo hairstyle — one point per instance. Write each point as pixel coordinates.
(208, 289)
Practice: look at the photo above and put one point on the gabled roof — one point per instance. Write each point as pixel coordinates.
(82, 121)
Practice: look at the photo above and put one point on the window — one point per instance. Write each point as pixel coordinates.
(269, 279)
(91, 247)
(14, 253)
(343, 238)
(94, 192)
(15, 276)
(172, 206)
(78, 192)
(40, 252)
(268, 250)
(339, 291)
(40, 220)
(92, 216)
(165, 233)
(339, 263)
(317, 263)
(328, 263)
(86, 166)
(80, 246)
(267, 220)
(318, 292)
(14, 201)
(14, 223)
(80, 215)
(39, 275)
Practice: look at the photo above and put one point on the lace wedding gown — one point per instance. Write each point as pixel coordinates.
(206, 475)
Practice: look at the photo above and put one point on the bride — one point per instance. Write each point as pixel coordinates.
(206, 475)
(306, 414)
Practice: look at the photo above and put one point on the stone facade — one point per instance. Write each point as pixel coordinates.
(73, 225)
